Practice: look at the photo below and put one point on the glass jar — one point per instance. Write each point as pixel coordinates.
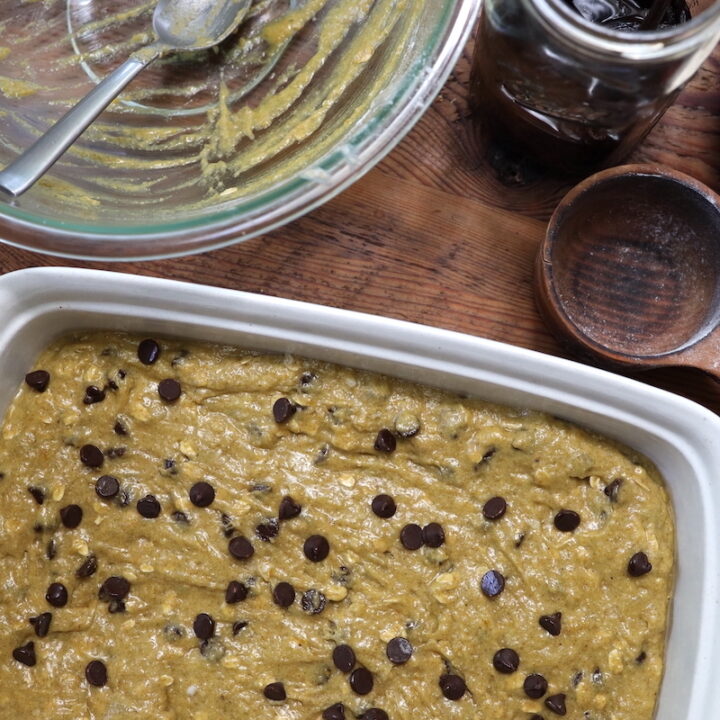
(576, 95)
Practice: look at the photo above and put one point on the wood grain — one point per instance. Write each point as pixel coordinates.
(435, 235)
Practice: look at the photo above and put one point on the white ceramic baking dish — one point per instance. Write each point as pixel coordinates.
(682, 438)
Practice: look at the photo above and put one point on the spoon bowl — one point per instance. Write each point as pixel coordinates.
(196, 24)
(629, 271)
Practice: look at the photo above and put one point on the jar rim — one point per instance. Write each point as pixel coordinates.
(679, 40)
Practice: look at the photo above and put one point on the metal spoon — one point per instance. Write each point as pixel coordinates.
(178, 25)
(629, 271)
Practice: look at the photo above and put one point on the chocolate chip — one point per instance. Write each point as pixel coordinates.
(344, 658)
(567, 520)
(38, 380)
(202, 494)
(283, 410)
(51, 550)
(492, 583)
(385, 441)
(71, 516)
(383, 506)
(96, 673)
(241, 548)
(41, 623)
(236, 592)
(433, 535)
(57, 595)
(169, 389)
(37, 493)
(93, 394)
(453, 686)
(374, 714)
(613, 489)
(552, 623)
(148, 351)
(494, 508)
(313, 601)
(411, 537)
(268, 530)
(361, 681)
(556, 703)
(535, 686)
(107, 487)
(283, 594)
(506, 661)
(227, 525)
(639, 565)
(334, 712)
(88, 567)
(307, 377)
(119, 428)
(115, 588)
(91, 456)
(316, 548)
(640, 659)
(238, 626)
(204, 626)
(25, 654)
(399, 650)
(289, 508)
(275, 691)
(149, 507)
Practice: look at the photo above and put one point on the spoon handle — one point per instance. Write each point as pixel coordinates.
(32, 164)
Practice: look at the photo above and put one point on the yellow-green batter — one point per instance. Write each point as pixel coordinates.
(536, 517)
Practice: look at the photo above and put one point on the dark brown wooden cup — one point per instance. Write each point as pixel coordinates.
(629, 271)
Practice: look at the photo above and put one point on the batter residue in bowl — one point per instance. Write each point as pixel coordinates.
(194, 531)
(266, 104)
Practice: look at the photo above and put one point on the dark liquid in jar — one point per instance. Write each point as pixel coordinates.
(527, 107)
(628, 15)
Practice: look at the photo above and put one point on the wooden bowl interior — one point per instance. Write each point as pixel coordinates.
(636, 261)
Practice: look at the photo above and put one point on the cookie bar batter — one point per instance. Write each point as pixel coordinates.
(192, 531)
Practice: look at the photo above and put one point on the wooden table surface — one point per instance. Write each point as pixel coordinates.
(436, 235)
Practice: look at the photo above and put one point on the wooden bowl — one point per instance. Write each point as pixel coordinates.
(629, 271)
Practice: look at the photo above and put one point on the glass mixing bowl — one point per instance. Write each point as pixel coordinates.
(215, 147)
